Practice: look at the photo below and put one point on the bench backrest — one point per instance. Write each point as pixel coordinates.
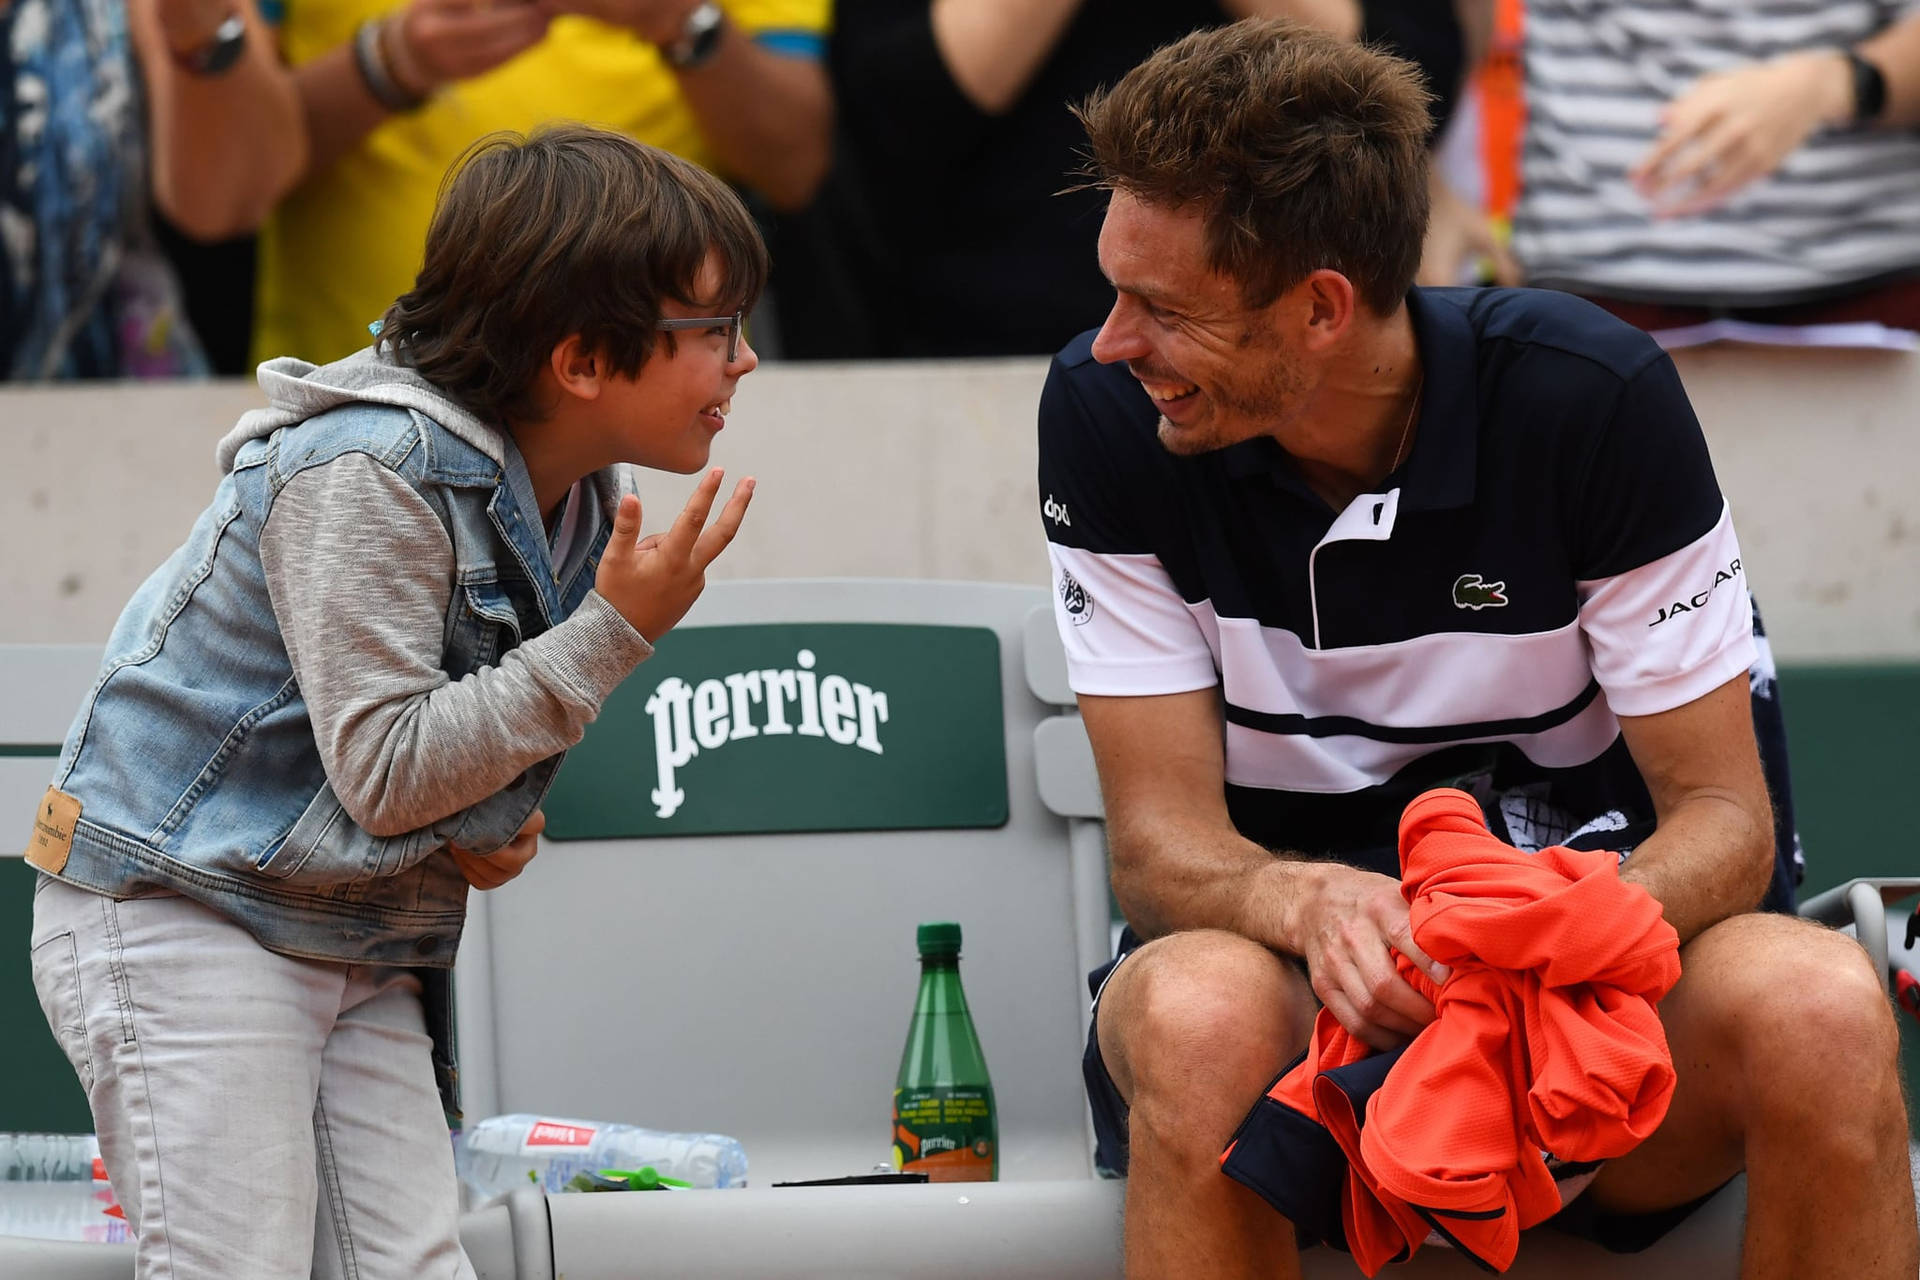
(699, 968)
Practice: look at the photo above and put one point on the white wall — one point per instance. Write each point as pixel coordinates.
(926, 470)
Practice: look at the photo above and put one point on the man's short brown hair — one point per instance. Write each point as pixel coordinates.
(571, 230)
(1303, 151)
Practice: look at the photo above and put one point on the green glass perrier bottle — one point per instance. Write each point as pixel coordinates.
(943, 1117)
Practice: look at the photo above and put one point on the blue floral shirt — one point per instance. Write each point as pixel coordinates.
(84, 292)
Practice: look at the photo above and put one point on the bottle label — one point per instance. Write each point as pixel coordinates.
(945, 1132)
(558, 1133)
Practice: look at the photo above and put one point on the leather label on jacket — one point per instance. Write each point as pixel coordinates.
(53, 825)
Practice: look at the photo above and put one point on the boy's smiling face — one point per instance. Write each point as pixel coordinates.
(663, 416)
(666, 415)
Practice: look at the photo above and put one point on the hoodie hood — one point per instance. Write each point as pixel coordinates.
(297, 390)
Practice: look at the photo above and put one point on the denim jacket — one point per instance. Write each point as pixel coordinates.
(194, 758)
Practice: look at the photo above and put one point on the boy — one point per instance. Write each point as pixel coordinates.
(340, 703)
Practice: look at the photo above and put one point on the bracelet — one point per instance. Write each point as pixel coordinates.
(375, 73)
(1869, 88)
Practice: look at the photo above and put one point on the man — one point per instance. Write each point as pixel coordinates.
(1323, 541)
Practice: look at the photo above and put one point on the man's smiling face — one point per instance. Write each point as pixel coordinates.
(1216, 369)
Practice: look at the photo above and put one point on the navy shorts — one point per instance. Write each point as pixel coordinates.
(1619, 1233)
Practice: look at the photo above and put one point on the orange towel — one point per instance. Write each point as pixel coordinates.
(1546, 1039)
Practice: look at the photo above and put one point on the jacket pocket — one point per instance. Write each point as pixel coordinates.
(325, 846)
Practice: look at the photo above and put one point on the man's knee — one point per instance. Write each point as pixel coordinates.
(1804, 1011)
(1192, 1011)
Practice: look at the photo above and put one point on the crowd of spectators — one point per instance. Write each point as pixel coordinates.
(241, 179)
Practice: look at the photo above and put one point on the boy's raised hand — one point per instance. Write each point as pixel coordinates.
(654, 580)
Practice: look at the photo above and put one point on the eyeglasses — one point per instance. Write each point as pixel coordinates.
(711, 322)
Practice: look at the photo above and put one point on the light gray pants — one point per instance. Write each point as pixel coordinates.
(259, 1116)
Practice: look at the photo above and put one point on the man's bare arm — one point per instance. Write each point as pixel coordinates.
(1179, 863)
(768, 117)
(994, 48)
(1712, 853)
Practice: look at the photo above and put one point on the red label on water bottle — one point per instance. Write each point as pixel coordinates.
(552, 1133)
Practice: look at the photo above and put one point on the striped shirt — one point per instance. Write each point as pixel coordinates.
(1843, 208)
(1554, 553)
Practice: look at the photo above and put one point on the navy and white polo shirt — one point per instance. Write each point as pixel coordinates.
(1554, 551)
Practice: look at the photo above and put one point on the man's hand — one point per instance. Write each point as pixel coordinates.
(654, 580)
(1348, 924)
(437, 42)
(1733, 127)
(658, 22)
(491, 870)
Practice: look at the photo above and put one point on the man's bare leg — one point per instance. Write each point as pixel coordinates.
(1193, 1028)
(1788, 1062)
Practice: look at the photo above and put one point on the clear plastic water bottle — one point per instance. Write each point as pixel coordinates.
(62, 1211)
(503, 1153)
(48, 1157)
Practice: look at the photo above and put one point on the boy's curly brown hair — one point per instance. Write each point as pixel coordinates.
(569, 230)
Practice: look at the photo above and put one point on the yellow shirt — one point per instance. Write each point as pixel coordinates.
(349, 240)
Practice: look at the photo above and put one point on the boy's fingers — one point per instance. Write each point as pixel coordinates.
(686, 527)
(626, 521)
(721, 532)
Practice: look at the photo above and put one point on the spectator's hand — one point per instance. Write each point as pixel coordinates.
(1349, 929)
(437, 42)
(491, 870)
(654, 580)
(1733, 127)
(655, 21)
(1459, 237)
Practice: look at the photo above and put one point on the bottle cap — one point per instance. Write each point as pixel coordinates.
(939, 938)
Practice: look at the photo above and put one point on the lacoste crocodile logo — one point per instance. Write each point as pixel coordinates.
(1469, 592)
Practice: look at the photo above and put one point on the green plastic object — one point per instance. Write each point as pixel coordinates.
(944, 1123)
(941, 938)
(645, 1178)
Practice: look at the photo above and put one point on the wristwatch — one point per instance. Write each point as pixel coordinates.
(699, 37)
(228, 42)
(1869, 88)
